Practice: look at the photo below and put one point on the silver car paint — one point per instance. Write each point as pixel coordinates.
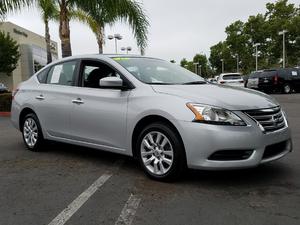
(107, 118)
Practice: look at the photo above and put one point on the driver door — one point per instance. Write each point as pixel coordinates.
(99, 116)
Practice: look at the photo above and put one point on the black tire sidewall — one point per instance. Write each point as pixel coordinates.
(179, 161)
(40, 140)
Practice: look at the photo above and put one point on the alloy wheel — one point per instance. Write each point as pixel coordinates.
(157, 153)
(30, 132)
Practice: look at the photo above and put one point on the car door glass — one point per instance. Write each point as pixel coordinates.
(62, 74)
(93, 73)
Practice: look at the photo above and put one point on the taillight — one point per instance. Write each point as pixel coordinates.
(275, 79)
(14, 93)
(222, 82)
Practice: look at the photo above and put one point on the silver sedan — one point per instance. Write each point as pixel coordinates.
(163, 115)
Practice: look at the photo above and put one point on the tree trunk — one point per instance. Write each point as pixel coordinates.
(48, 41)
(64, 30)
(100, 38)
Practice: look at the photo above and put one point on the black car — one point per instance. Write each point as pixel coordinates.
(279, 80)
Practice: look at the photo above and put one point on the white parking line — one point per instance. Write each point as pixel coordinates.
(66, 214)
(128, 211)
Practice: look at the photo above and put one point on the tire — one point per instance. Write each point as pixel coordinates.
(287, 89)
(32, 133)
(166, 151)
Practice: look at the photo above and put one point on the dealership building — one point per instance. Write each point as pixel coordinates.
(33, 52)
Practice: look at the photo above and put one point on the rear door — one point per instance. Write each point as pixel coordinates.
(100, 116)
(54, 99)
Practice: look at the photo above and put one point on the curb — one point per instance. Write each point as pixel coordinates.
(5, 114)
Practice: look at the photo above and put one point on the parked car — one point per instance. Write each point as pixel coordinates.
(3, 88)
(279, 80)
(253, 80)
(231, 79)
(163, 115)
(212, 80)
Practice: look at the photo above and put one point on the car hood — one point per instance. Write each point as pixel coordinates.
(227, 97)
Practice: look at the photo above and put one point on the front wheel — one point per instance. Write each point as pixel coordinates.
(160, 152)
(32, 133)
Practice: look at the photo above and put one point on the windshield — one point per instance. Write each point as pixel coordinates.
(232, 77)
(155, 71)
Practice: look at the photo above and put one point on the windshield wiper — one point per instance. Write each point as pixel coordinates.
(195, 82)
(159, 83)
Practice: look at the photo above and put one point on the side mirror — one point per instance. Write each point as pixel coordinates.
(111, 82)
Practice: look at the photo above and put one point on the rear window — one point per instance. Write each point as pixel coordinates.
(42, 76)
(232, 77)
(270, 73)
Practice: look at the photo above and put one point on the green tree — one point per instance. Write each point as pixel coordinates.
(183, 62)
(203, 63)
(280, 16)
(221, 51)
(9, 54)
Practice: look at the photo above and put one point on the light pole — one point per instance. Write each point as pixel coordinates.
(127, 49)
(222, 60)
(256, 55)
(116, 37)
(200, 70)
(196, 67)
(283, 46)
(237, 63)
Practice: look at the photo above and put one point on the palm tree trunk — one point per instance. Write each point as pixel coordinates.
(64, 30)
(100, 38)
(48, 41)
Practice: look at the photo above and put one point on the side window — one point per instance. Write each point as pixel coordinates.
(93, 72)
(62, 74)
(42, 76)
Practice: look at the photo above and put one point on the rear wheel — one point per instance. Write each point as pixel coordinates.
(287, 89)
(160, 152)
(32, 132)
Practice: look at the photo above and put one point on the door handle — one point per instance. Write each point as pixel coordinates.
(40, 97)
(77, 101)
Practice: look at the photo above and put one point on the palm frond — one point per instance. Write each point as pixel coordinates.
(110, 11)
(12, 5)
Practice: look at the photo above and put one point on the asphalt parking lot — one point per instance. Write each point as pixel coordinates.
(80, 186)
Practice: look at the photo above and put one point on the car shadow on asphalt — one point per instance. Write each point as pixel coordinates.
(271, 173)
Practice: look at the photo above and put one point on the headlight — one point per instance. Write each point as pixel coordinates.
(214, 115)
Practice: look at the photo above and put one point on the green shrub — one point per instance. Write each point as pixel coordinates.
(5, 102)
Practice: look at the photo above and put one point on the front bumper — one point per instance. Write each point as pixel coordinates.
(202, 140)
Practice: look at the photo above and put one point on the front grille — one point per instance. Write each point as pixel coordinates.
(275, 149)
(230, 155)
(269, 120)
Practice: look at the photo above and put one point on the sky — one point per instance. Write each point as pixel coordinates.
(178, 28)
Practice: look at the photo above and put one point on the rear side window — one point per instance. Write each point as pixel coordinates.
(62, 74)
(232, 77)
(42, 76)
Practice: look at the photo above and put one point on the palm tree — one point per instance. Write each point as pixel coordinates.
(49, 11)
(111, 11)
(102, 11)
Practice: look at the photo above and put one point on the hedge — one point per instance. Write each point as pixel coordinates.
(5, 102)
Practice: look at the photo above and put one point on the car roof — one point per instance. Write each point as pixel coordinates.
(102, 56)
